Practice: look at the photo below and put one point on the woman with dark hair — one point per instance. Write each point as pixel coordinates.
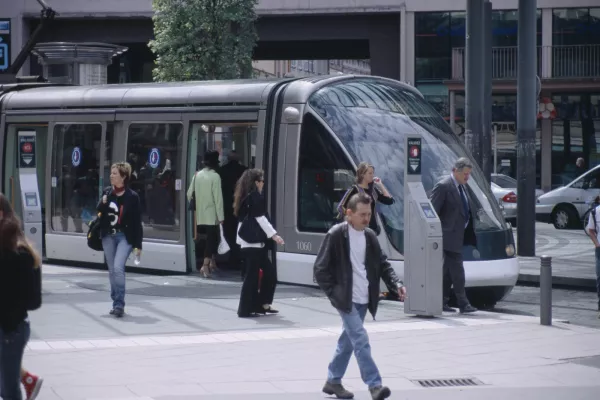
(366, 182)
(250, 207)
(20, 292)
(121, 230)
(206, 185)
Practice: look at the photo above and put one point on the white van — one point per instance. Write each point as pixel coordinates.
(565, 206)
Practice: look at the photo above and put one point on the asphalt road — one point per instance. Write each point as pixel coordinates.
(579, 308)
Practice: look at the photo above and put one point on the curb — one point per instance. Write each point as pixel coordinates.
(564, 282)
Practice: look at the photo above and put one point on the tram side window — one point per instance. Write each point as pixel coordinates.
(324, 176)
(154, 151)
(75, 175)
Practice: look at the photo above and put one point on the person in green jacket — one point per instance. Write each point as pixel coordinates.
(206, 185)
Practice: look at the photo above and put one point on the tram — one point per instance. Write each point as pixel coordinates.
(307, 134)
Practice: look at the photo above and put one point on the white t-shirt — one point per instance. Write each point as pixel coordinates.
(590, 222)
(358, 250)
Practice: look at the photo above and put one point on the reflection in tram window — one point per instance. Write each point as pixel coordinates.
(75, 175)
(154, 151)
(324, 176)
(371, 120)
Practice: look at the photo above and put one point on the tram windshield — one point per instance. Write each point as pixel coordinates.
(371, 119)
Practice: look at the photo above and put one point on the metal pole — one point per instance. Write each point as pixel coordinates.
(546, 291)
(526, 124)
(486, 130)
(474, 78)
(495, 149)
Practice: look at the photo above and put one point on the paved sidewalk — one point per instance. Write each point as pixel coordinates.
(182, 340)
(572, 252)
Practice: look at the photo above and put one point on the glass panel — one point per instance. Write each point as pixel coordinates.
(75, 175)
(371, 120)
(156, 149)
(110, 131)
(236, 144)
(324, 175)
(569, 26)
(432, 45)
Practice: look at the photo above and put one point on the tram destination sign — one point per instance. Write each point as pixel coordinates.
(26, 150)
(413, 156)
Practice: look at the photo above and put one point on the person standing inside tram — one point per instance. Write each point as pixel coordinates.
(206, 186)
(121, 230)
(451, 203)
(367, 183)
(20, 292)
(250, 208)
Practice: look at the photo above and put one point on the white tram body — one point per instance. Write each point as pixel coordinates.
(307, 134)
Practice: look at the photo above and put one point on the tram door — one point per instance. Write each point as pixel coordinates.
(236, 144)
(24, 179)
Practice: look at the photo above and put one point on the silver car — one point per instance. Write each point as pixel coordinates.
(507, 182)
(507, 199)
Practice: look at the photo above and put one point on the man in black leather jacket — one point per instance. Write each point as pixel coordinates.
(349, 267)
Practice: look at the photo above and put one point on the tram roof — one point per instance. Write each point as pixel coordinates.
(170, 94)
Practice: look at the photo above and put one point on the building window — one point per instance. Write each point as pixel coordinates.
(437, 33)
(156, 150)
(75, 182)
(323, 178)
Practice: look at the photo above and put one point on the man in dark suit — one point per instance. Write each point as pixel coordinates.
(450, 200)
(230, 173)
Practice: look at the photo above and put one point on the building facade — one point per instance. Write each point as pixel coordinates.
(426, 50)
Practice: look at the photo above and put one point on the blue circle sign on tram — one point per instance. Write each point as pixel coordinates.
(154, 157)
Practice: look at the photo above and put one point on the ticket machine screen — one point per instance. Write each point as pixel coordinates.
(427, 210)
(31, 199)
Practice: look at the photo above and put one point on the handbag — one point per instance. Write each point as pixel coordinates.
(250, 231)
(94, 236)
(192, 205)
(223, 245)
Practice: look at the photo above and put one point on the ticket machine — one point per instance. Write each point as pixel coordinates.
(30, 193)
(423, 247)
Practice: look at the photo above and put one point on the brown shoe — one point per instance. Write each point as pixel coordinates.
(338, 390)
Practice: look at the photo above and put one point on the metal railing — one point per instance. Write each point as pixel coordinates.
(553, 62)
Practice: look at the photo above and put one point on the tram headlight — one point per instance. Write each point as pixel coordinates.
(510, 250)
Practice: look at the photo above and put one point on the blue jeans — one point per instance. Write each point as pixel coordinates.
(12, 346)
(354, 337)
(116, 251)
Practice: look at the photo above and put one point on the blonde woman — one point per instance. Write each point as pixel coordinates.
(367, 183)
(122, 231)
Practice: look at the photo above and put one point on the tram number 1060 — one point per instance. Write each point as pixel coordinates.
(304, 246)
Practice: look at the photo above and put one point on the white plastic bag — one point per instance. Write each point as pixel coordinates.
(223, 245)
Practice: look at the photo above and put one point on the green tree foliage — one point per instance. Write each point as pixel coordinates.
(203, 39)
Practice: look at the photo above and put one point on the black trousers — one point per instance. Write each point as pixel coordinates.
(454, 276)
(211, 243)
(251, 299)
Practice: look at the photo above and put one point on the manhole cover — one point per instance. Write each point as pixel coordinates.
(433, 383)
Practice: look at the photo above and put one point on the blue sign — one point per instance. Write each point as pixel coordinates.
(76, 157)
(154, 157)
(4, 44)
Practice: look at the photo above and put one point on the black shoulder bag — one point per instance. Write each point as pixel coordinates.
(250, 230)
(94, 237)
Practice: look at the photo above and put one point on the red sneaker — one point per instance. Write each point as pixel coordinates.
(32, 384)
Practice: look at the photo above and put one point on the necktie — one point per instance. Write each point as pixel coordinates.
(463, 197)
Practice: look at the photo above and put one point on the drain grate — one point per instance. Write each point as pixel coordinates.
(433, 383)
